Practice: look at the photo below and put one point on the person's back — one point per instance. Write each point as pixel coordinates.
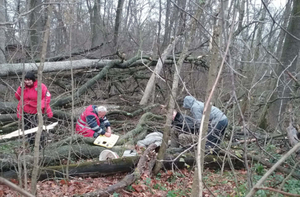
(217, 120)
(197, 108)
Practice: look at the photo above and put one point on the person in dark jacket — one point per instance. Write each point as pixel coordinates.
(184, 130)
(185, 123)
(93, 122)
(30, 101)
(217, 120)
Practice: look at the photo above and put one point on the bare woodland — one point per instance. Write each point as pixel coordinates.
(140, 58)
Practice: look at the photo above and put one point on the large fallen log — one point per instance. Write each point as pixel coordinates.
(13, 69)
(145, 165)
(126, 164)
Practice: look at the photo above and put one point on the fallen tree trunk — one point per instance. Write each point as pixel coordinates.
(91, 169)
(142, 167)
(8, 107)
(55, 155)
(13, 69)
(54, 65)
(8, 117)
(126, 164)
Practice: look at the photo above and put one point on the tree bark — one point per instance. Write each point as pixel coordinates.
(35, 26)
(156, 72)
(289, 59)
(118, 22)
(142, 167)
(13, 69)
(96, 26)
(2, 32)
(263, 122)
(36, 161)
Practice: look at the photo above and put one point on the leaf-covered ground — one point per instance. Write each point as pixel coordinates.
(165, 183)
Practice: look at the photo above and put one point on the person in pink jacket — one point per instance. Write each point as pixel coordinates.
(30, 103)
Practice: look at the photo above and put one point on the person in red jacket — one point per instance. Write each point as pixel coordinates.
(93, 122)
(30, 103)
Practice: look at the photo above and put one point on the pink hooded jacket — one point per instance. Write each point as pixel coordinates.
(30, 100)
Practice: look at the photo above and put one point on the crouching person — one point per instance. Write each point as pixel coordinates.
(184, 130)
(93, 122)
(217, 121)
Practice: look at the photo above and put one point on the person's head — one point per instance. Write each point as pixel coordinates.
(29, 79)
(188, 101)
(101, 111)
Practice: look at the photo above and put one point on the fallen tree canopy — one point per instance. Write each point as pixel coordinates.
(77, 148)
(104, 67)
(80, 147)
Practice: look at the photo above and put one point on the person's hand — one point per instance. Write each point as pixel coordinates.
(96, 134)
(50, 114)
(107, 134)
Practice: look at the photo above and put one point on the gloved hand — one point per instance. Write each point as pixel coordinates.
(100, 132)
(96, 134)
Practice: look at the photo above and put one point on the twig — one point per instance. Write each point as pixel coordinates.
(278, 191)
(15, 187)
(268, 173)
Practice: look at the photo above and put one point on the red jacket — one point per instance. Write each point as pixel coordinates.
(82, 125)
(30, 100)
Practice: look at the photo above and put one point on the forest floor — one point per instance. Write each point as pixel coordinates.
(166, 183)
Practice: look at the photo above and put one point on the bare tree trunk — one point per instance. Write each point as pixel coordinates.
(288, 64)
(156, 72)
(95, 21)
(35, 26)
(251, 69)
(197, 187)
(262, 121)
(213, 78)
(118, 22)
(35, 170)
(167, 33)
(2, 32)
(72, 95)
(171, 105)
(62, 40)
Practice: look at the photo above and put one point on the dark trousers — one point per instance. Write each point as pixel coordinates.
(31, 121)
(215, 133)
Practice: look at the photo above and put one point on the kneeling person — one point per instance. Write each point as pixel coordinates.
(93, 122)
(185, 130)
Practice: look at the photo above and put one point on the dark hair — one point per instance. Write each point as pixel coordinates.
(30, 75)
